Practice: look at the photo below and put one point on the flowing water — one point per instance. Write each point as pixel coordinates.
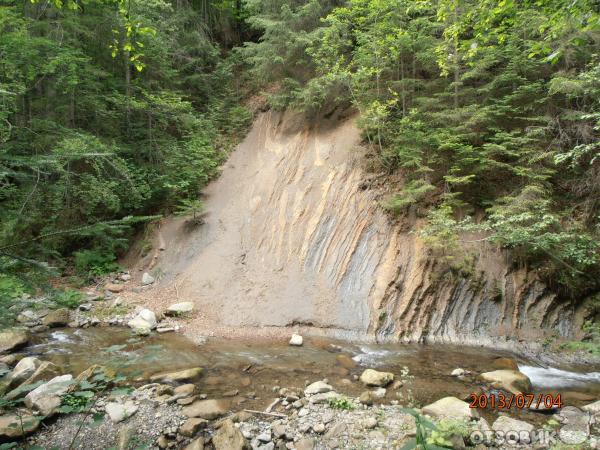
(256, 368)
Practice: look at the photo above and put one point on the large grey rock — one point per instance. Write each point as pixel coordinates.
(45, 371)
(13, 426)
(510, 380)
(57, 318)
(118, 412)
(228, 437)
(576, 425)
(372, 377)
(317, 387)
(513, 430)
(144, 320)
(449, 408)
(13, 339)
(206, 409)
(46, 397)
(177, 309)
(23, 370)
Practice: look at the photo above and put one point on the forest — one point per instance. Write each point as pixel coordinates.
(483, 115)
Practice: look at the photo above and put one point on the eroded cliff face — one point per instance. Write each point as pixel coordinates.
(294, 237)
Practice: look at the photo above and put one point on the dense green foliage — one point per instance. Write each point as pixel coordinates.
(110, 112)
(487, 110)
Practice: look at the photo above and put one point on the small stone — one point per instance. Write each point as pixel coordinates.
(228, 437)
(147, 279)
(85, 307)
(206, 409)
(178, 309)
(370, 423)
(264, 437)
(181, 376)
(317, 388)
(319, 428)
(118, 412)
(296, 340)
(192, 426)
(458, 372)
(196, 444)
(513, 429)
(185, 389)
(366, 398)
(57, 318)
(379, 393)
(125, 277)
(114, 288)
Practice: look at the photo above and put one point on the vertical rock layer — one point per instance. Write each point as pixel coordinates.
(292, 237)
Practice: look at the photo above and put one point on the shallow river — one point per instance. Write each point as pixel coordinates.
(255, 368)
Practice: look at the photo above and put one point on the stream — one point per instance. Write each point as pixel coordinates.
(256, 368)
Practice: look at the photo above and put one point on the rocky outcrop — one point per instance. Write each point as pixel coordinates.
(294, 236)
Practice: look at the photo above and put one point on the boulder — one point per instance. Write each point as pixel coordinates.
(449, 408)
(144, 320)
(13, 339)
(178, 309)
(46, 397)
(119, 412)
(181, 376)
(185, 389)
(510, 380)
(57, 318)
(228, 437)
(147, 279)
(13, 426)
(372, 377)
(317, 387)
(23, 370)
(192, 426)
(513, 430)
(296, 340)
(206, 409)
(45, 371)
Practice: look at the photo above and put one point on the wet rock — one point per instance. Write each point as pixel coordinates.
(296, 340)
(196, 444)
(147, 279)
(346, 361)
(57, 318)
(13, 426)
(509, 380)
(115, 288)
(94, 370)
(505, 364)
(372, 377)
(513, 429)
(192, 426)
(119, 412)
(13, 339)
(317, 387)
(458, 372)
(46, 397)
(228, 437)
(144, 320)
(178, 309)
(181, 376)
(449, 408)
(206, 409)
